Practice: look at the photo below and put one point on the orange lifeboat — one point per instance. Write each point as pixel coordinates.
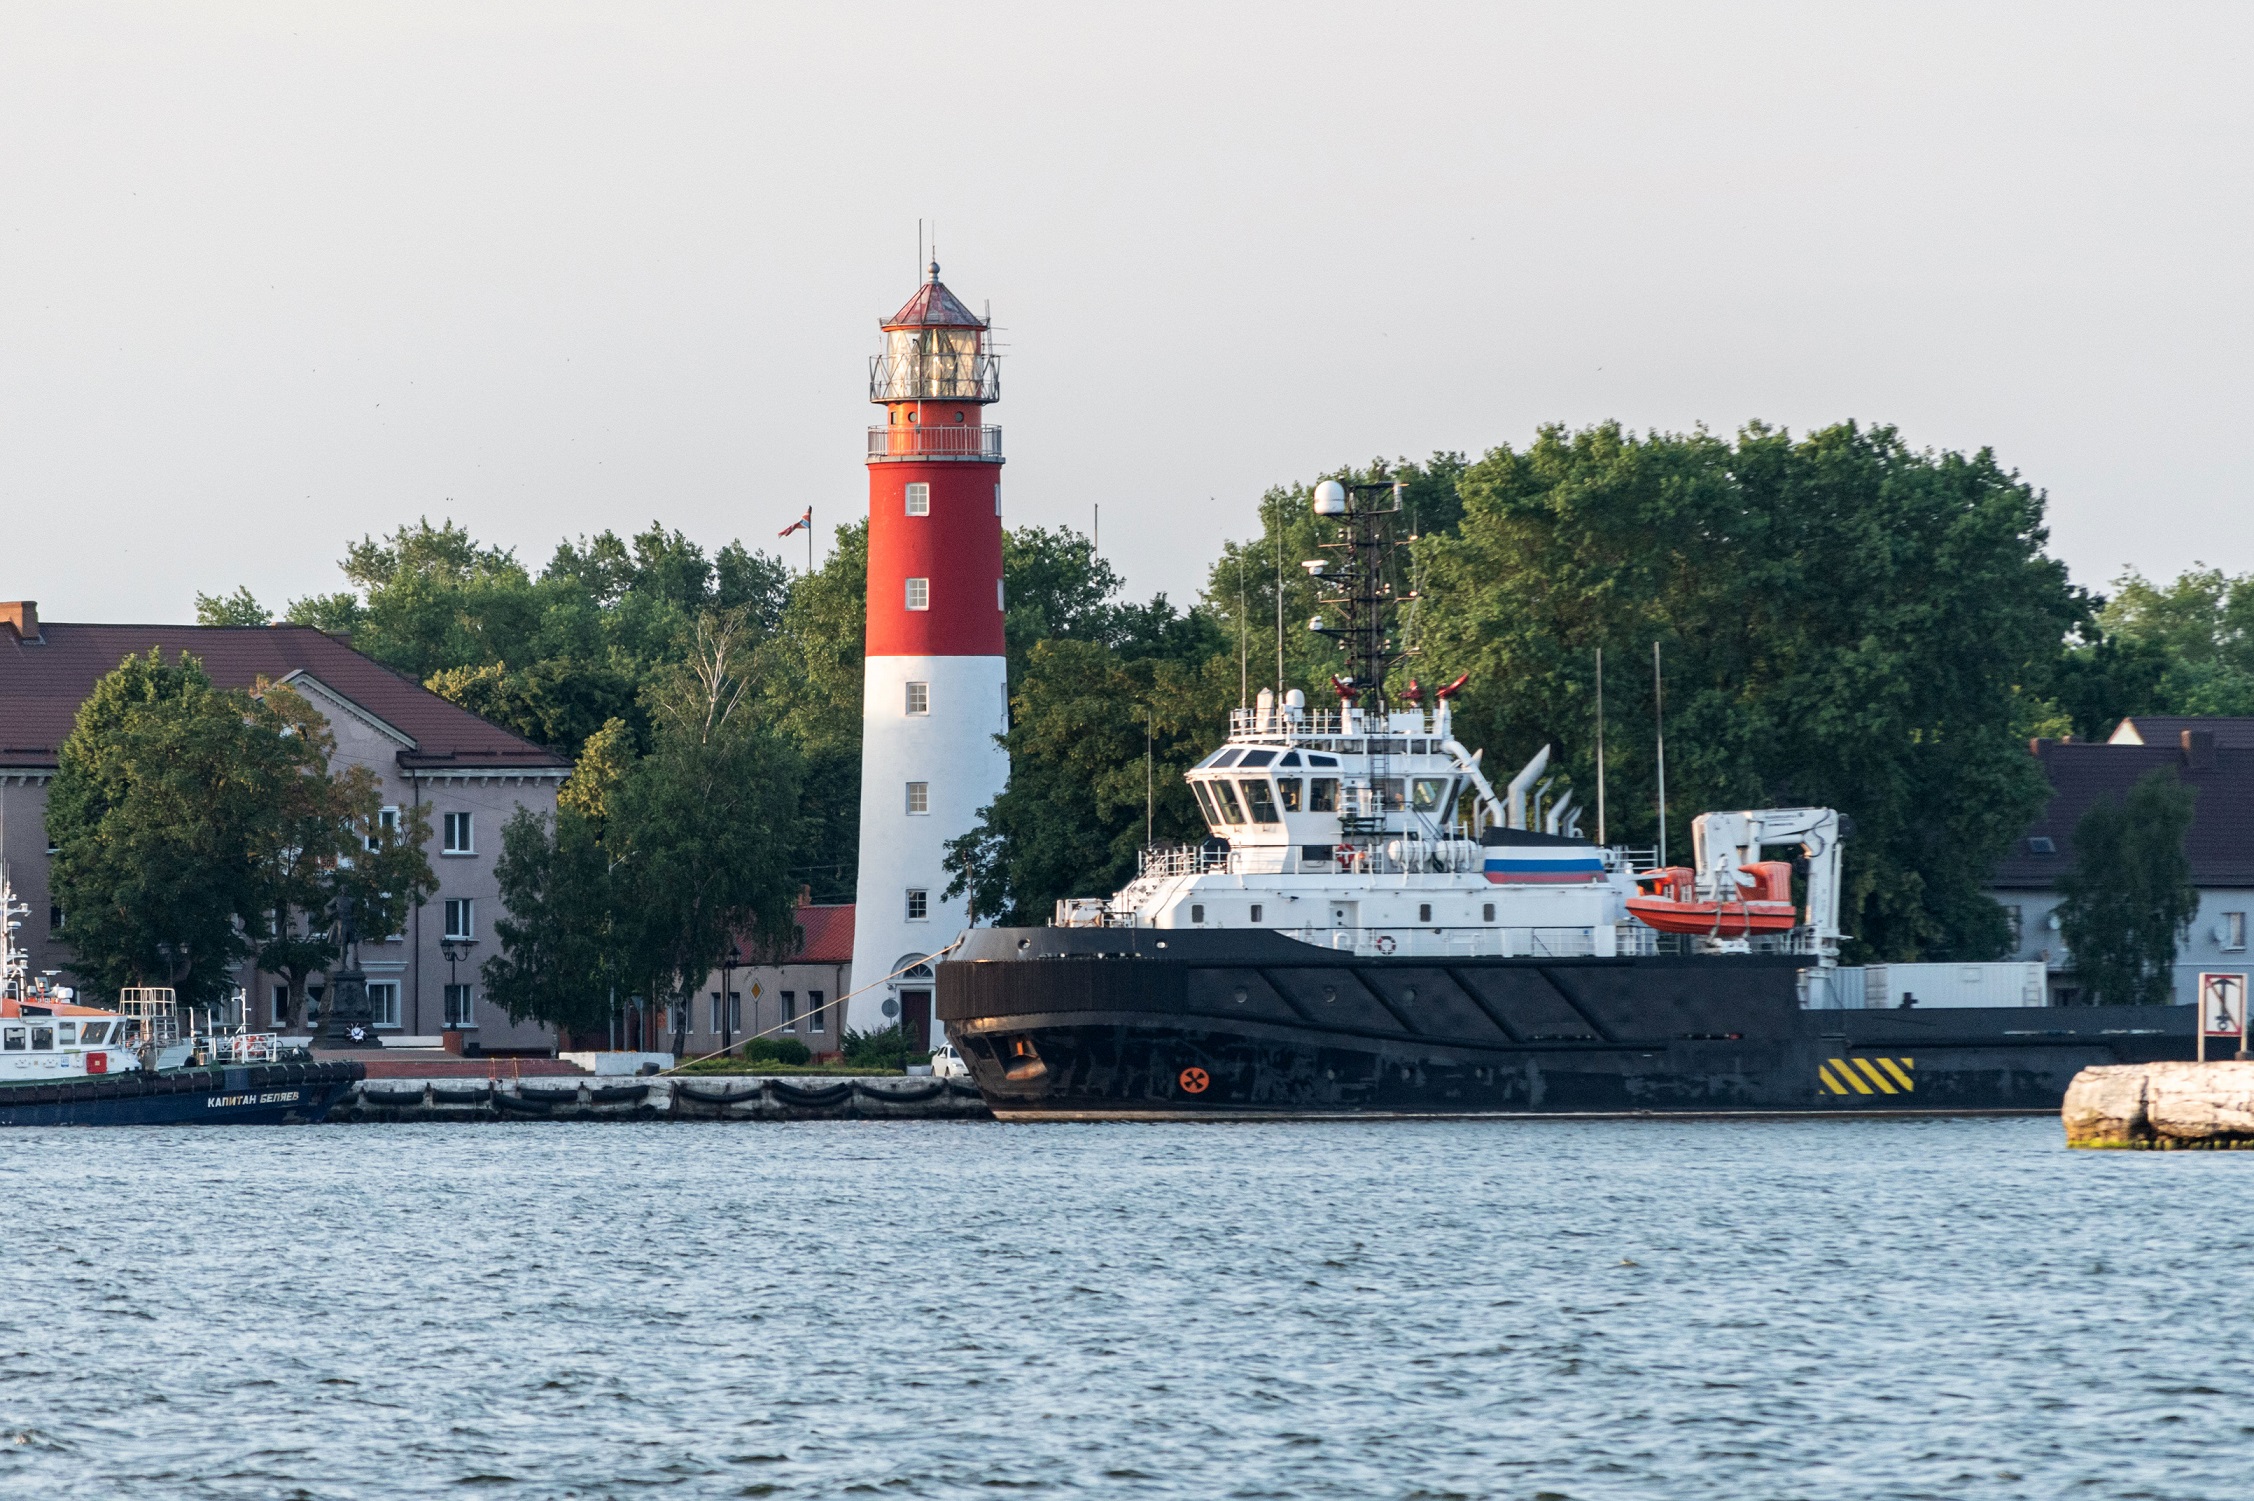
(1668, 900)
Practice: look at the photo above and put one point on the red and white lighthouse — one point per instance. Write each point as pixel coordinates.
(935, 689)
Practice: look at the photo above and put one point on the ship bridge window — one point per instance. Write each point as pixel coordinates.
(43, 1039)
(1257, 758)
(1287, 793)
(1429, 794)
(1322, 794)
(1226, 758)
(1290, 758)
(14, 1042)
(1315, 760)
(1227, 798)
(1260, 800)
(1207, 805)
(1391, 789)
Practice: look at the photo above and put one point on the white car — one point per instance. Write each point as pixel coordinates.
(946, 1063)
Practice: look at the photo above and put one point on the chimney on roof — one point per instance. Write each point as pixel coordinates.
(2199, 749)
(2039, 746)
(21, 616)
(806, 896)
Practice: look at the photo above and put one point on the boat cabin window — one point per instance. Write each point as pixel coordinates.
(14, 1040)
(1322, 794)
(1429, 794)
(1227, 757)
(1287, 793)
(1315, 760)
(1197, 914)
(43, 1039)
(1259, 799)
(95, 1034)
(1391, 788)
(1206, 805)
(1227, 798)
(1257, 758)
(69, 1034)
(1289, 758)
(1487, 912)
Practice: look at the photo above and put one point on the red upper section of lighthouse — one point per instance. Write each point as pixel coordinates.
(935, 485)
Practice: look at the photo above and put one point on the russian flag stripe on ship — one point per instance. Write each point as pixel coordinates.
(1538, 865)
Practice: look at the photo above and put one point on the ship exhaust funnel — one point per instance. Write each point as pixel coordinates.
(1514, 803)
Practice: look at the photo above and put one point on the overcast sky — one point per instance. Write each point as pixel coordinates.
(272, 276)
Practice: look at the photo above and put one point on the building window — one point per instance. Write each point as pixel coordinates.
(461, 918)
(383, 1001)
(729, 1017)
(281, 1005)
(2234, 930)
(54, 919)
(813, 1011)
(2012, 920)
(919, 698)
(919, 905)
(461, 1007)
(919, 797)
(919, 594)
(919, 500)
(790, 1010)
(458, 835)
(387, 827)
(2042, 844)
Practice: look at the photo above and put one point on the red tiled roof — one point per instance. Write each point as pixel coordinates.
(2220, 843)
(44, 680)
(934, 306)
(825, 934)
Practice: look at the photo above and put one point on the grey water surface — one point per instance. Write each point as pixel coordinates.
(1957, 1309)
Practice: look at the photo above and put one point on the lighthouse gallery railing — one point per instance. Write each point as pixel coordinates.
(907, 441)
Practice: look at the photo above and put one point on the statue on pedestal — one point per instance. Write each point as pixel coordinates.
(347, 1020)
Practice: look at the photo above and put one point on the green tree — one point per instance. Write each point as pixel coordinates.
(1845, 621)
(2128, 896)
(172, 812)
(238, 608)
(2199, 630)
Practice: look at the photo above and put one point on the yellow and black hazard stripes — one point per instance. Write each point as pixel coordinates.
(1872, 1076)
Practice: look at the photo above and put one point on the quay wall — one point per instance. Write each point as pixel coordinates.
(712, 1097)
(2161, 1106)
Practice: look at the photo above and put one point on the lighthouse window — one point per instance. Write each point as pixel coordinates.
(919, 500)
(997, 497)
(919, 594)
(1287, 793)
(1430, 793)
(998, 595)
(1322, 794)
(919, 797)
(1227, 798)
(919, 905)
(919, 698)
(1259, 799)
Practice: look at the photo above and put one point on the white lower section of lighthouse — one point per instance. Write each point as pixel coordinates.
(931, 748)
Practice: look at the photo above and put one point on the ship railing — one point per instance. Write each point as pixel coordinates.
(1301, 725)
(908, 442)
(245, 1047)
(1194, 860)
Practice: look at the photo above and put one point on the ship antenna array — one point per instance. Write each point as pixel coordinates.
(1359, 585)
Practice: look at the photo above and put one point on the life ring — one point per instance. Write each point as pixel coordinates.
(1195, 1080)
(1384, 944)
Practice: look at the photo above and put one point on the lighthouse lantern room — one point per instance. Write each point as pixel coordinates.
(935, 690)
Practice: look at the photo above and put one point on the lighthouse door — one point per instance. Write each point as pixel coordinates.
(915, 1018)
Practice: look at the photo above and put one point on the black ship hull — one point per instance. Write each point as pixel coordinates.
(1089, 1024)
(244, 1094)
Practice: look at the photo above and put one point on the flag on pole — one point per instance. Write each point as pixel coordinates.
(804, 523)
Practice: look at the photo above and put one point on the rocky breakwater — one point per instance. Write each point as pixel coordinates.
(2161, 1106)
(715, 1097)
